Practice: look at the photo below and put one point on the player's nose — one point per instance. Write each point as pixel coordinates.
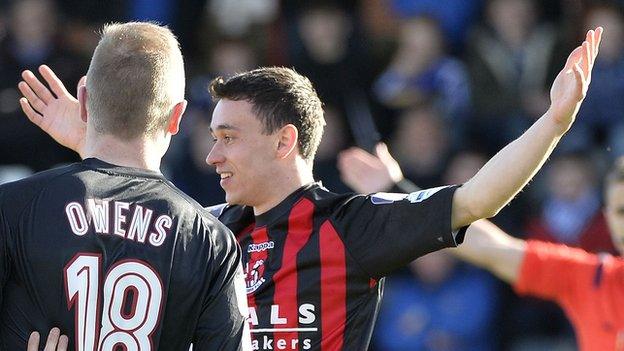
(214, 156)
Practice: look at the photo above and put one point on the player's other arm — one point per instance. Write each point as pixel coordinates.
(485, 194)
(488, 247)
(52, 108)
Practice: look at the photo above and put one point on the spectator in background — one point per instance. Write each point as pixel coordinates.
(186, 161)
(31, 39)
(571, 212)
(422, 145)
(421, 72)
(326, 45)
(332, 142)
(440, 304)
(511, 58)
(455, 16)
(602, 114)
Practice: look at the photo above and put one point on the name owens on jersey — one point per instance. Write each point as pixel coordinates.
(117, 258)
(315, 263)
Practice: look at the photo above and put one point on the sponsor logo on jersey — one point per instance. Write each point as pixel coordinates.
(260, 246)
(254, 272)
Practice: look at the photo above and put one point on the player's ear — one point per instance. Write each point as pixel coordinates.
(287, 138)
(82, 100)
(176, 117)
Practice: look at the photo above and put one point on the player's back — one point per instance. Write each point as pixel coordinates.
(118, 258)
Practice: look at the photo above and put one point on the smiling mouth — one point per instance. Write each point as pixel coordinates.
(225, 175)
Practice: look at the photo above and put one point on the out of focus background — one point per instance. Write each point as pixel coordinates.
(446, 83)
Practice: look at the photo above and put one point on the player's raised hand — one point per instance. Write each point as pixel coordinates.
(570, 86)
(52, 108)
(366, 173)
(55, 341)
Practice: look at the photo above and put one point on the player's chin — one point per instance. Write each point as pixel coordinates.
(232, 198)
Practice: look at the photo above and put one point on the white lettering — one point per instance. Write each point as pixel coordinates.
(281, 344)
(120, 217)
(275, 318)
(77, 218)
(161, 225)
(253, 316)
(140, 224)
(99, 214)
(268, 343)
(306, 313)
(307, 344)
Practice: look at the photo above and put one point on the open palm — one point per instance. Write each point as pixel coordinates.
(53, 109)
(571, 84)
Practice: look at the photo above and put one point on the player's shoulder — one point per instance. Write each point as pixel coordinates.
(327, 201)
(235, 217)
(26, 188)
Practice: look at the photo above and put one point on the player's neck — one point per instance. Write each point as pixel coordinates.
(283, 184)
(137, 153)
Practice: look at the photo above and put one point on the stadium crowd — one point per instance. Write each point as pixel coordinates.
(445, 83)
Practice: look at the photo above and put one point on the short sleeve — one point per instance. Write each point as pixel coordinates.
(556, 272)
(385, 231)
(222, 323)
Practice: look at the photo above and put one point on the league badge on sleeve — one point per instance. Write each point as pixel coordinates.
(386, 198)
(422, 195)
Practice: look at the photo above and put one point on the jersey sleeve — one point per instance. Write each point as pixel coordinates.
(386, 231)
(222, 323)
(556, 272)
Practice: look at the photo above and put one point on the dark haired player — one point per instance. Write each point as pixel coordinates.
(314, 259)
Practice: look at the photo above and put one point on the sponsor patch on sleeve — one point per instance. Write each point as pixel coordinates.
(422, 195)
(386, 198)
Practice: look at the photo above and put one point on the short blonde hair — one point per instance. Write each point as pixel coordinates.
(135, 78)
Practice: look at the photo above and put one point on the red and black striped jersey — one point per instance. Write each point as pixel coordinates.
(118, 259)
(315, 263)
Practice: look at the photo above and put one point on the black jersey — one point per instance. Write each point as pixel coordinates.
(315, 263)
(119, 259)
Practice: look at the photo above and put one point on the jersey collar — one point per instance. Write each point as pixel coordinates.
(102, 166)
(283, 207)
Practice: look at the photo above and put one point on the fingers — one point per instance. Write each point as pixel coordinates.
(33, 99)
(41, 90)
(586, 60)
(63, 343)
(32, 115)
(597, 40)
(53, 339)
(55, 84)
(580, 79)
(33, 342)
(573, 58)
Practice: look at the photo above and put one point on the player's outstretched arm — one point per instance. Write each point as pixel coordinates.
(489, 247)
(52, 108)
(55, 341)
(485, 245)
(512, 167)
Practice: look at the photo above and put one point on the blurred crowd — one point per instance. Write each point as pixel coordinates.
(445, 83)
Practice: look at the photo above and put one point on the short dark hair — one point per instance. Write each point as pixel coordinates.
(279, 96)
